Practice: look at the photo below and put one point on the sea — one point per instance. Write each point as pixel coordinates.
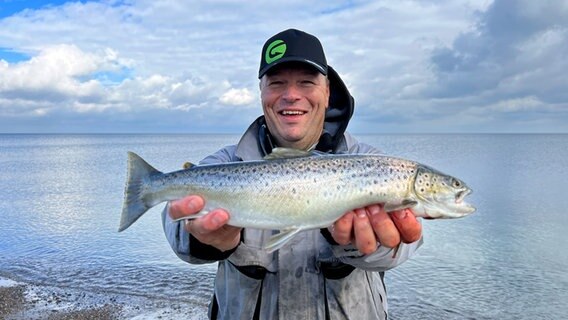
(61, 198)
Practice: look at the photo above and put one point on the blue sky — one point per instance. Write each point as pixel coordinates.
(190, 66)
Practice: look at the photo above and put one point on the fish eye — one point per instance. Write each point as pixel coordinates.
(456, 183)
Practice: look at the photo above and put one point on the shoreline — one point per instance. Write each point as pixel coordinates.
(27, 301)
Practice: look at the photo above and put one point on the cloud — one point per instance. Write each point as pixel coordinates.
(237, 97)
(514, 44)
(65, 77)
(57, 76)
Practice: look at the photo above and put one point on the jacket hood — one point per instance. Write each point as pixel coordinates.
(337, 116)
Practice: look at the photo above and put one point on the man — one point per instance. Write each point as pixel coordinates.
(332, 273)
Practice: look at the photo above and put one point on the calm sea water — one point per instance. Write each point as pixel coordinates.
(61, 197)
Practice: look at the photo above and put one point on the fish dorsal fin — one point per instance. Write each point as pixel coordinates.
(282, 153)
(188, 165)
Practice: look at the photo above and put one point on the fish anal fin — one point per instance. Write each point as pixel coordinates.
(280, 239)
(405, 204)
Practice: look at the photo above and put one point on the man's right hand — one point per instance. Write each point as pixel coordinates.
(211, 229)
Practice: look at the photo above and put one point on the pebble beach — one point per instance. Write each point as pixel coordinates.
(20, 301)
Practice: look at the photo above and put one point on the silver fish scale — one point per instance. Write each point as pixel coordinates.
(299, 192)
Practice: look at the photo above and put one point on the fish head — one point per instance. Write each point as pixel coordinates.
(441, 195)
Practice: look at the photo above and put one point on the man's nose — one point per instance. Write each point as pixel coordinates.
(291, 93)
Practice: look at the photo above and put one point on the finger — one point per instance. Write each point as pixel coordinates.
(365, 239)
(212, 229)
(186, 206)
(383, 226)
(209, 223)
(409, 227)
(342, 229)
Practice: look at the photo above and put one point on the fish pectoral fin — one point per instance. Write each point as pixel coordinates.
(278, 240)
(389, 207)
(193, 216)
(283, 153)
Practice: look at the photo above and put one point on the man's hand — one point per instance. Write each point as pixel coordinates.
(211, 229)
(364, 227)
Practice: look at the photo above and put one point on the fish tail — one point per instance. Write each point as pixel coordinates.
(139, 171)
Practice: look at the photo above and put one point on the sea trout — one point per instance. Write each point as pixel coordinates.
(294, 190)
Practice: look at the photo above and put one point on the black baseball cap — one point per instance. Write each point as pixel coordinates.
(292, 45)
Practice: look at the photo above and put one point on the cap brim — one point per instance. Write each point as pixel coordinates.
(319, 68)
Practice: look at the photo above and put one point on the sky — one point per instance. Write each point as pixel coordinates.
(167, 66)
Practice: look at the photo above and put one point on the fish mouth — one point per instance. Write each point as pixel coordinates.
(460, 196)
(463, 208)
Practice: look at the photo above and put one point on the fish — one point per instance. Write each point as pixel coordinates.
(292, 190)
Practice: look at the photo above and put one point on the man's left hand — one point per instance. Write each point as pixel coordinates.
(365, 227)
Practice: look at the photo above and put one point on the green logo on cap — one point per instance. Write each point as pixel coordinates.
(275, 51)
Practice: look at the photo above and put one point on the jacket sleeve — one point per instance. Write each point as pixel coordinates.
(383, 258)
(185, 246)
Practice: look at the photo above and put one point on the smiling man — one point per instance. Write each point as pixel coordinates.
(332, 273)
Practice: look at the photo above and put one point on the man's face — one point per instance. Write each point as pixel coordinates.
(294, 100)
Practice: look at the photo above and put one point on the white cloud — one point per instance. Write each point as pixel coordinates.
(518, 104)
(237, 97)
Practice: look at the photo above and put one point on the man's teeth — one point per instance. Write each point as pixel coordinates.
(292, 112)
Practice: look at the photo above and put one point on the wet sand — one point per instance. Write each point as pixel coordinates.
(15, 305)
(23, 301)
(11, 300)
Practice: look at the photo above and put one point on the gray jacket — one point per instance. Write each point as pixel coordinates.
(309, 278)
